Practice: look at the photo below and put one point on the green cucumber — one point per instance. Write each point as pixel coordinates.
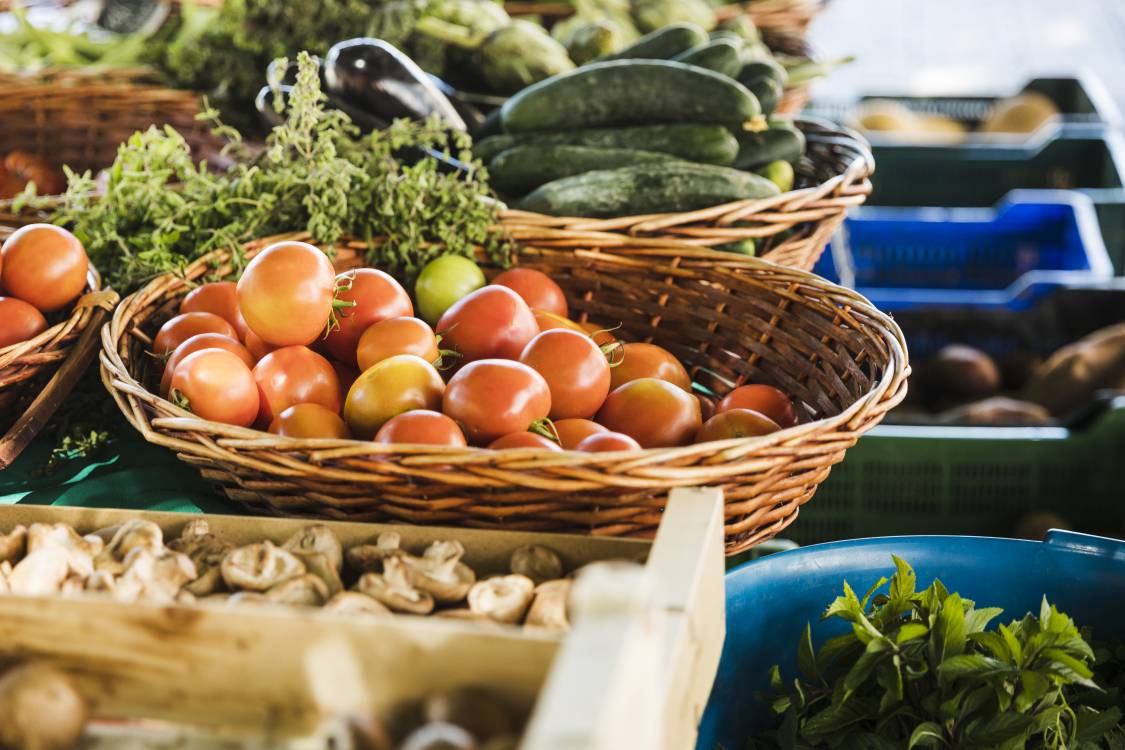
(645, 189)
(626, 92)
(757, 149)
(768, 91)
(780, 173)
(521, 169)
(709, 144)
(721, 56)
(731, 36)
(662, 44)
(755, 69)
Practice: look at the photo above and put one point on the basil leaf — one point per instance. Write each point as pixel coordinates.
(927, 734)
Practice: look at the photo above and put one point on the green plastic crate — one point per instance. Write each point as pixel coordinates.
(1085, 157)
(950, 480)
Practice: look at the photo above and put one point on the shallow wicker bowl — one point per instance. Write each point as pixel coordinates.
(826, 346)
(79, 118)
(35, 375)
(791, 229)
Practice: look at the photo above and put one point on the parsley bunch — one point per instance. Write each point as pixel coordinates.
(159, 210)
(920, 670)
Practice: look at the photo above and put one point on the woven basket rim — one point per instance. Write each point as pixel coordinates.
(120, 382)
(93, 295)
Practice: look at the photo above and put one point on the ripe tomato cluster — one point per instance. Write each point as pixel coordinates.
(42, 271)
(302, 351)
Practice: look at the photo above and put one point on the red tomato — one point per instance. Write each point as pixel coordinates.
(345, 376)
(575, 369)
(256, 346)
(43, 265)
(736, 423)
(397, 336)
(397, 384)
(492, 322)
(217, 386)
(648, 361)
(602, 335)
(548, 321)
(653, 412)
(182, 327)
(377, 297)
(285, 294)
(19, 321)
(764, 399)
(198, 343)
(573, 431)
(523, 440)
(294, 375)
(421, 427)
(309, 421)
(536, 288)
(219, 298)
(492, 397)
(606, 442)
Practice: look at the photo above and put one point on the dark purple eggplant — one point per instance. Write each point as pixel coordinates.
(376, 77)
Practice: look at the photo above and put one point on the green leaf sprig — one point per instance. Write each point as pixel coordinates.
(158, 210)
(921, 670)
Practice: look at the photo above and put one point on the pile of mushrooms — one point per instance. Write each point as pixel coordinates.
(132, 562)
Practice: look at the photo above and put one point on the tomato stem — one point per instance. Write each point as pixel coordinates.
(179, 399)
(614, 351)
(545, 428)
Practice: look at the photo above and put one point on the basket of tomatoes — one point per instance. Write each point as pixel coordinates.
(569, 394)
(78, 118)
(51, 306)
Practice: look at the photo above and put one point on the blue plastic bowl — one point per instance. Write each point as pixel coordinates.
(769, 600)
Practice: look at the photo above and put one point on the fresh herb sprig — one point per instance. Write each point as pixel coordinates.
(920, 670)
(159, 210)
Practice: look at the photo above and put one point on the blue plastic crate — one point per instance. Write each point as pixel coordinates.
(770, 600)
(1032, 242)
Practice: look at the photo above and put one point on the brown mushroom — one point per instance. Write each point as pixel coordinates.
(353, 602)
(131, 535)
(395, 589)
(440, 572)
(478, 710)
(260, 567)
(549, 608)
(537, 563)
(318, 564)
(368, 558)
(439, 736)
(39, 573)
(502, 598)
(13, 545)
(317, 538)
(305, 590)
(40, 709)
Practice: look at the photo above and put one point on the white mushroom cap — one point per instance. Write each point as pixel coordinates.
(503, 598)
(549, 608)
(304, 591)
(440, 572)
(317, 538)
(40, 573)
(260, 567)
(134, 534)
(395, 588)
(368, 558)
(354, 602)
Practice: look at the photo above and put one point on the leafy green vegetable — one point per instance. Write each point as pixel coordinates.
(159, 211)
(920, 670)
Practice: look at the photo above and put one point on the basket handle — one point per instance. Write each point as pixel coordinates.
(40, 411)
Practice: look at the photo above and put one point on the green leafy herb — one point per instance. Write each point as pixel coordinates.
(921, 670)
(158, 210)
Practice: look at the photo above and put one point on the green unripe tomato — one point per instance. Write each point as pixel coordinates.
(442, 282)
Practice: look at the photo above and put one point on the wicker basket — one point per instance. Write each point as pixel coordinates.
(80, 117)
(35, 375)
(792, 229)
(787, 16)
(825, 345)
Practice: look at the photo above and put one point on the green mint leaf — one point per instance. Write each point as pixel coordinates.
(911, 631)
(927, 734)
(994, 643)
(948, 635)
(972, 665)
(977, 620)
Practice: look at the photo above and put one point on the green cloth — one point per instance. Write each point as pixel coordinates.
(128, 473)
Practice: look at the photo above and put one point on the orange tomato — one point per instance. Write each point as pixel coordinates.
(606, 442)
(523, 440)
(648, 361)
(548, 321)
(421, 427)
(538, 290)
(294, 375)
(19, 321)
(491, 397)
(182, 327)
(735, 423)
(285, 293)
(601, 334)
(491, 322)
(256, 346)
(309, 421)
(377, 296)
(219, 298)
(397, 384)
(397, 336)
(575, 369)
(43, 265)
(764, 399)
(198, 343)
(217, 386)
(654, 412)
(571, 432)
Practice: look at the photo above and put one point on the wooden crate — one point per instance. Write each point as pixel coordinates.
(639, 666)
